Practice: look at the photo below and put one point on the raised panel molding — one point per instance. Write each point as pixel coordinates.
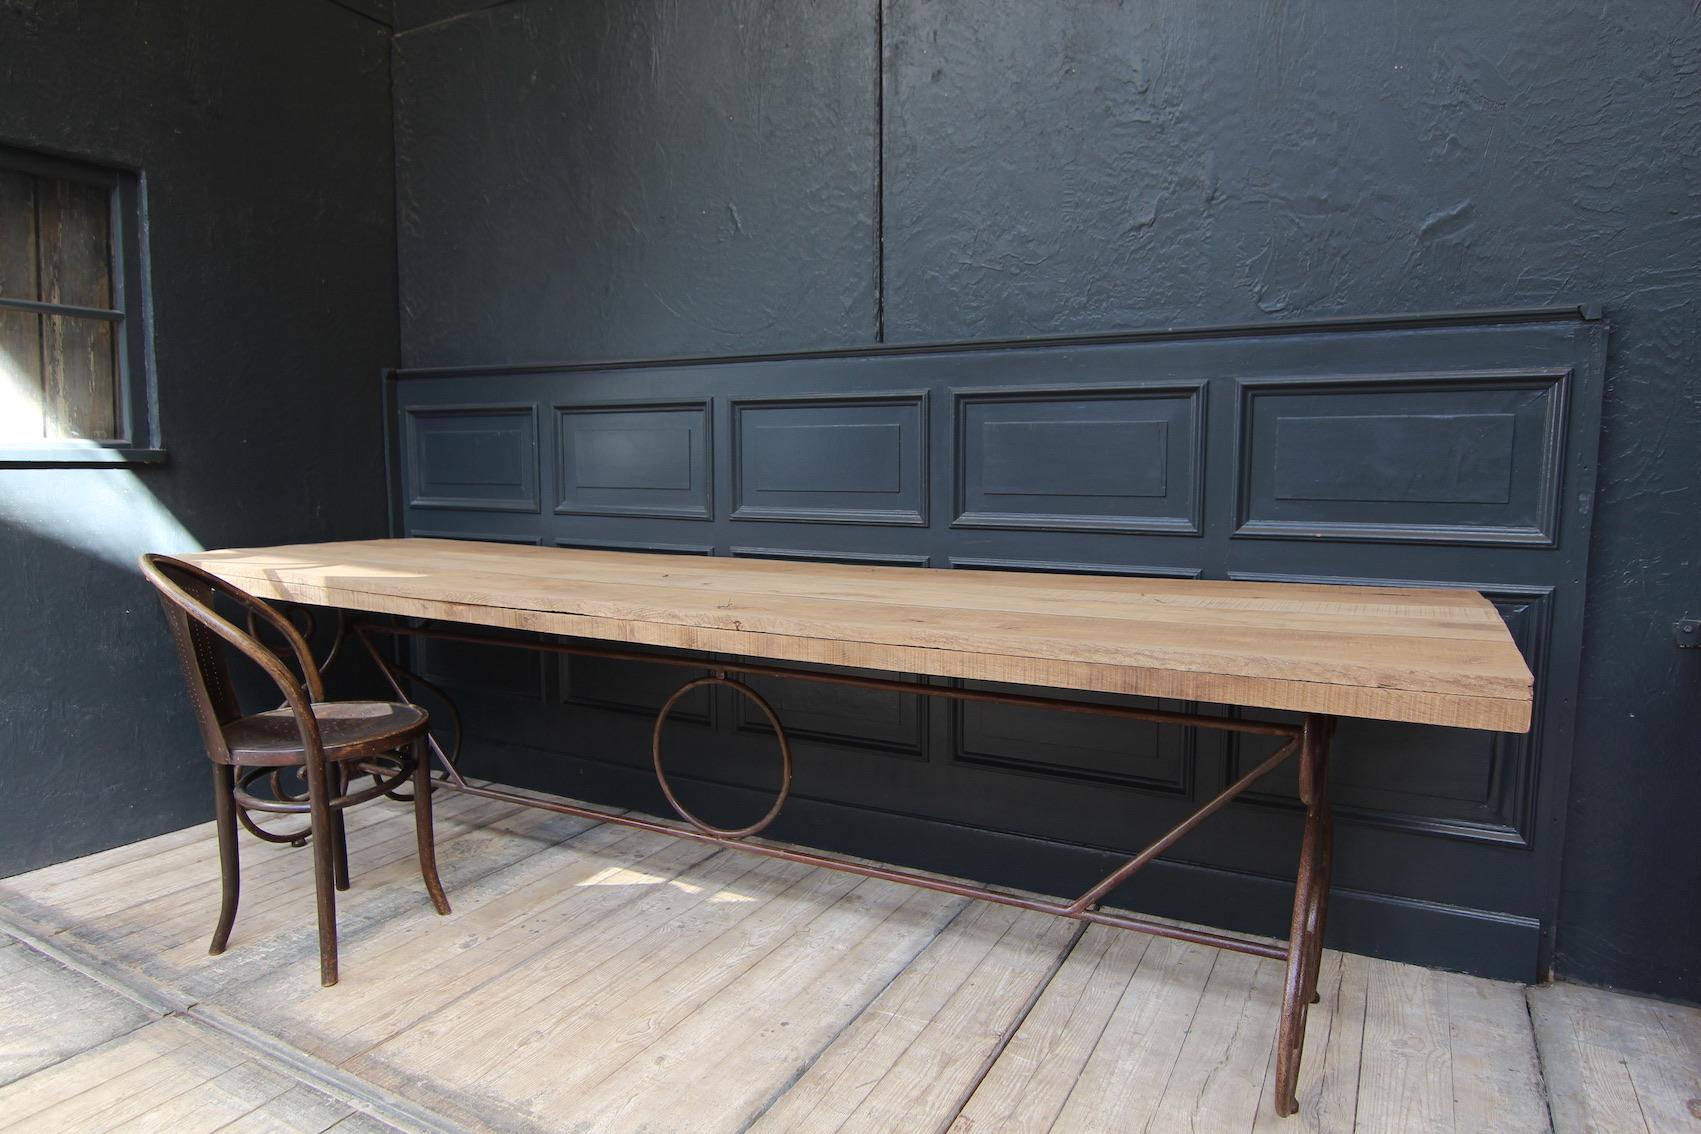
(481, 537)
(866, 558)
(636, 545)
(1119, 459)
(831, 459)
(976, 563)
(1092, 749)
(634, 459)
(512, 671)
(873, 719)
(1433, 458)
(472, 458)
(634, 687)
(1399, 776)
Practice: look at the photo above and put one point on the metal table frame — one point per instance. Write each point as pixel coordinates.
(1308, 740)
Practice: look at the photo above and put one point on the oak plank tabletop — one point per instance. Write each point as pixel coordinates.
(1433, 656)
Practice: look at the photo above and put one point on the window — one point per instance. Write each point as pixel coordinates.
(73, 337)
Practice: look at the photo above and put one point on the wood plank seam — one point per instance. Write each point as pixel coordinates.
(1363, 1031)
(366, 1097)
(264, 1050)
(152, 1018)
(852, 1090)
(804, 1068)
(1009, 1033)
(1128, 990)
(497, 977)
(1098, 1033)
(1541, 1056)
(1192, 1016)
(155, 998)
(791, 934)
(1333, 997)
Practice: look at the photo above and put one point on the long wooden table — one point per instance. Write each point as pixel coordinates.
(1427, 656)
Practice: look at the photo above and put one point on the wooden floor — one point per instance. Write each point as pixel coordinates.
(595, 978)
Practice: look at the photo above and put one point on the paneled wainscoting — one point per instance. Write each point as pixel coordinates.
(594, 978)
(1446, 451)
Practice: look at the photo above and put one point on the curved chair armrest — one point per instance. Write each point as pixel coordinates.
(312, 680)
(297, 697)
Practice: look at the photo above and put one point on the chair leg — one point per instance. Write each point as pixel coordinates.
(230, 871)
(339, 832)
(324, 872)
(422, 824)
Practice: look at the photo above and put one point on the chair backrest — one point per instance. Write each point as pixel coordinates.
(187, 594)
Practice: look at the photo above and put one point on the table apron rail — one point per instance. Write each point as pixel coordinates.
(884, 684)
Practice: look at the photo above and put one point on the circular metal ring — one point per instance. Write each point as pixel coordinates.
(756, 699)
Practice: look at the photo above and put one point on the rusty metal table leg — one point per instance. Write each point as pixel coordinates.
(1310, 905)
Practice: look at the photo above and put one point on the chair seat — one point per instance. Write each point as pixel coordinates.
(348, 729)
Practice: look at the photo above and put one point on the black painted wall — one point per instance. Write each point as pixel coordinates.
(263, 132)
(636, 179)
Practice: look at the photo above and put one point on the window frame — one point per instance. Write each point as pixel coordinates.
(137, 441)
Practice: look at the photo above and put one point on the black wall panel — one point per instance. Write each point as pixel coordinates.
(1109, 459)
(831, 460)
(633, 460)
(1452, 458)
(1137, 455)
(482, 458)
(1088, 750)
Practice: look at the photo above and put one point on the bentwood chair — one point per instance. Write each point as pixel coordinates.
(327, 743)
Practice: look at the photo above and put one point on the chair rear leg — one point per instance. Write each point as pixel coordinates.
(230, 869)
(422, 824)
(339, 830)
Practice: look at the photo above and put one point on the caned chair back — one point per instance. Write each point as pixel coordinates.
(187, 594)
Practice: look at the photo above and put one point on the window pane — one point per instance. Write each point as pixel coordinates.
(21, 414)
(78, 378)
(74, 222)
(62, 378)
(18, 276)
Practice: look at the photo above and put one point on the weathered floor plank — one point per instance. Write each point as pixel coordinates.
(1618, 1063)
(1035, 1074)
(1496, 1069)
(908, 1060)
(1406, 1077)
(49, 1013)
(169, 1076)
(592, 977)
(1129, 1068)
(523, 913)
(1334, 1042)
(77, 1055)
